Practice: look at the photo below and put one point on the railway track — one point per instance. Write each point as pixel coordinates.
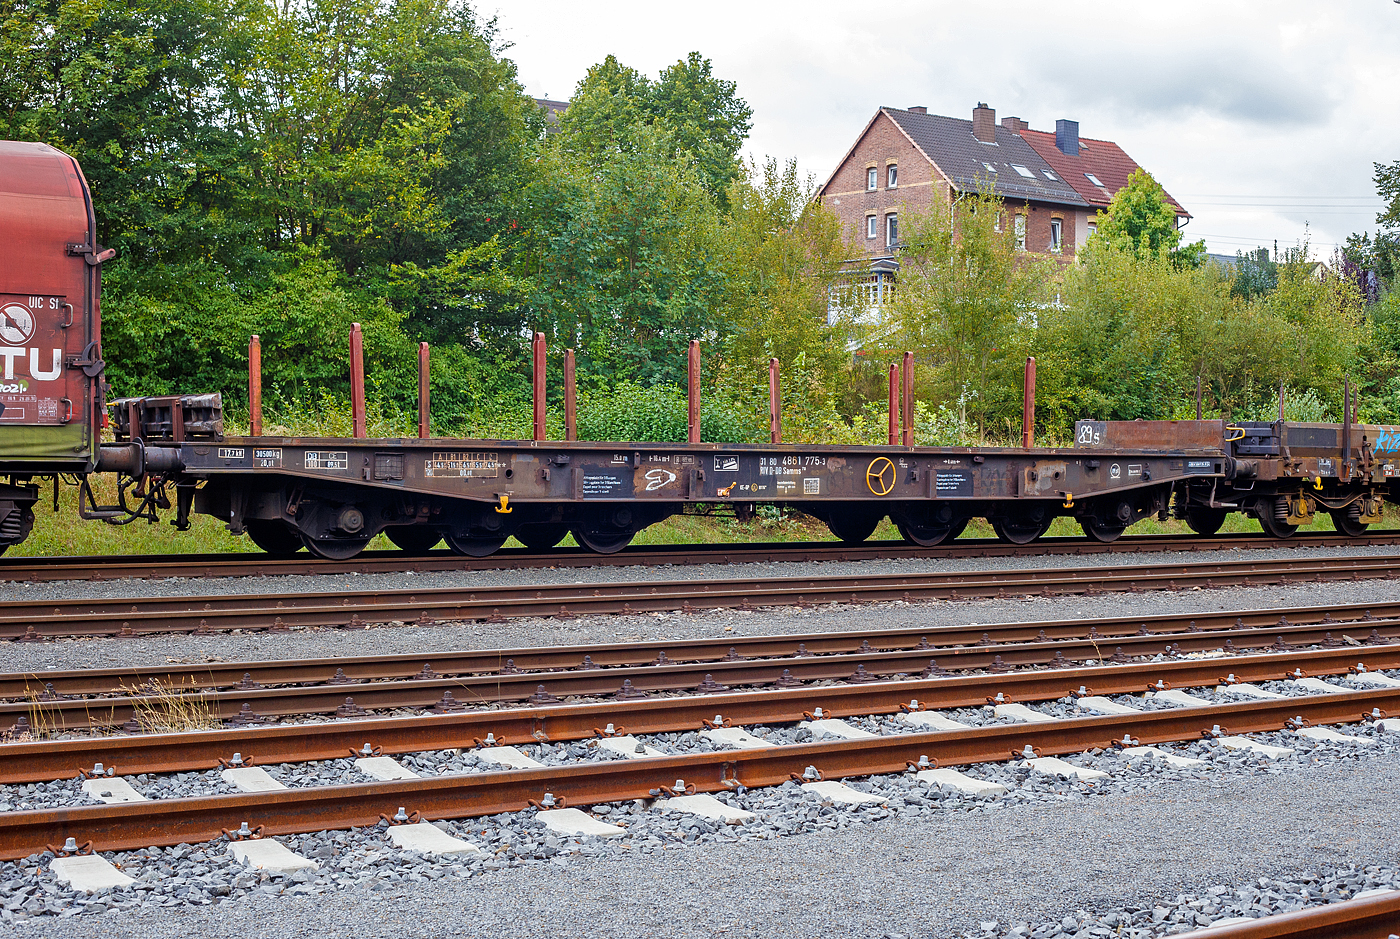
(285, 811)
(257, 564)
(37, 620)
(345, 687)
(146, 753)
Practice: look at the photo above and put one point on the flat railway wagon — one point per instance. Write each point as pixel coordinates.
(332, 495)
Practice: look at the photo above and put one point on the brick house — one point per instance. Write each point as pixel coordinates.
(1052, 185)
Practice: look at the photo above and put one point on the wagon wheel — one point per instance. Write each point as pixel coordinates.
(276, 538)
(335, 549)
(1205, 521)
(851, 525)
(603, 542)
(541, 536)
(474, 547)
(1100, 531)
(929, 535)
(414, 539)
(1344, 523)
(1023, 528)
(1271, 523)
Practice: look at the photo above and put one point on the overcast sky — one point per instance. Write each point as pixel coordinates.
(1260, 118)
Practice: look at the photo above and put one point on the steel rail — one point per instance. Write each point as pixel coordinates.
(109, 711)
(226, 675)
(41, 761)
(1376, 917)
(320, 808)
(125, 617)
(257, 564)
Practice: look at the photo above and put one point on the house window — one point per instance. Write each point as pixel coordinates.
(872, 178)
(871, 226)
(1023, 171)
(1092, 227)
(1093, 179)
(1055, 234)
(1051, 176)
(989, 167)
(892, 229)
(891, 176)
(1020, 233)
(996, 226)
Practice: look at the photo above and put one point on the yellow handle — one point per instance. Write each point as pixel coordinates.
(1239, 435)
(873, 476)
(1317, 482)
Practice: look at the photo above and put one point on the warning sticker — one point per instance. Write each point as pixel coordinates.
(470, 464)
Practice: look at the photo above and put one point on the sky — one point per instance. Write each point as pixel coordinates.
(1263, 119)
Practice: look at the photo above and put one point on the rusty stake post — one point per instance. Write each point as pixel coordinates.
(1028, 405)
(570, 397)
(908, 399)
(692, 369)
(254, 386)
(540, 352)
(894, 405)
(357, 379)
(1280, 400)
(424, 421)
(1346, 428)
(775, 404)
(1198, 397)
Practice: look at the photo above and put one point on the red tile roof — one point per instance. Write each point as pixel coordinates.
(1104, 158)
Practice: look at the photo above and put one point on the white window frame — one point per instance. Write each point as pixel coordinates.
(892, 176)
(872, 179)
(1023, 171)
(872, 227)
(891, 229)
(996, 226)
(1020, 231)
(1051, 176)
(989, 167)
(1057, 238)
(1090, 229)
(1094, 179)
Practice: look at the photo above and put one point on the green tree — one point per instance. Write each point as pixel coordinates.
(967, 302)
(628, 261)
(687, 108)
(1140, 220)
(786, 251)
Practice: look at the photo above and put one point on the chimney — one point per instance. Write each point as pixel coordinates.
(984, 123)
(1014, 124)
(1067, 137)
(918, 109)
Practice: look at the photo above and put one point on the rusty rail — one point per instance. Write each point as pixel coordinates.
(168, 822)
(256, 564)
(41, 761)
(34, 620)
(1375, 917)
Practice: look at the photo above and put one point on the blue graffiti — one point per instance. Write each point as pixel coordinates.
(1387, 439)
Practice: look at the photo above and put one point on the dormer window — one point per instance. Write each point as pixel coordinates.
(872, 179)
(891, 176)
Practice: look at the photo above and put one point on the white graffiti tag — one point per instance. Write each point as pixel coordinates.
(659, 477)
